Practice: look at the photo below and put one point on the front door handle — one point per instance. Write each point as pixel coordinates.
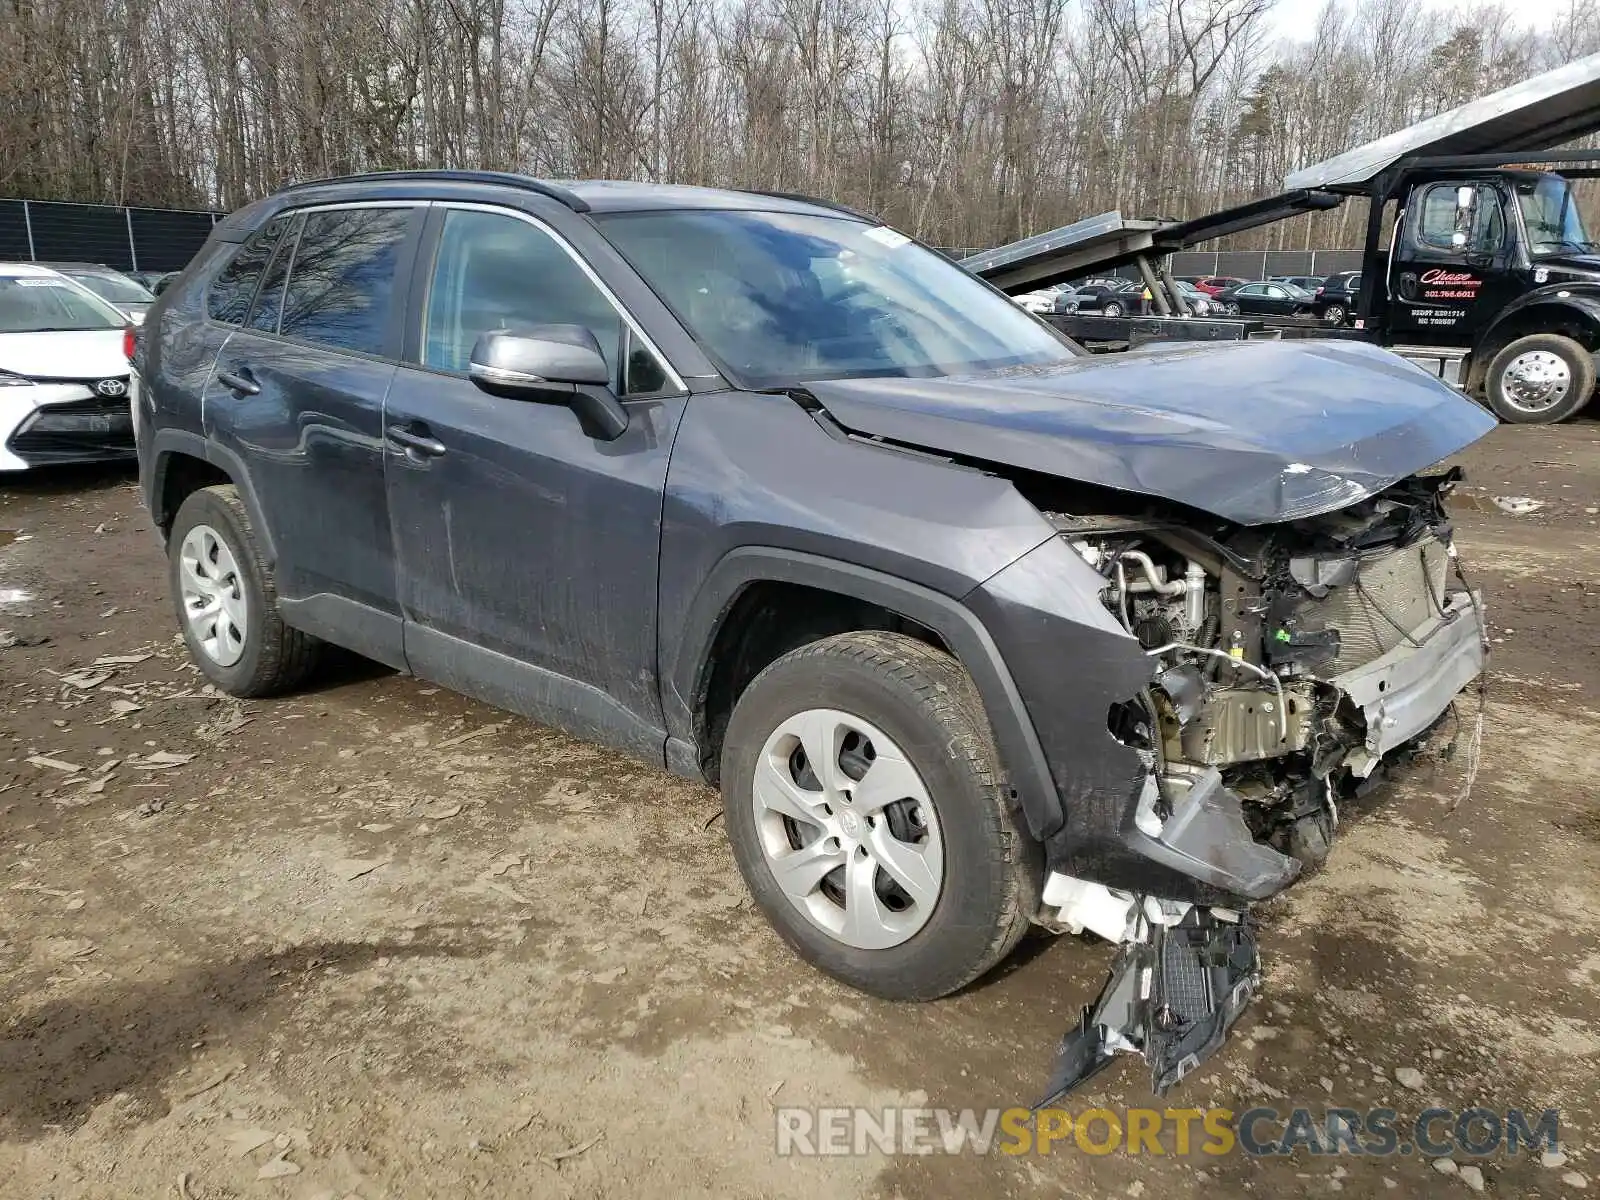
(239, 381)
(415, 443)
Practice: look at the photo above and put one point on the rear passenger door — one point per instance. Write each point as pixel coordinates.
(297, 396)
(527, 548)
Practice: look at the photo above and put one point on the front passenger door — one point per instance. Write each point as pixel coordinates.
(527, 549)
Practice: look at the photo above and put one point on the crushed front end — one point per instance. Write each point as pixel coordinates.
(1288, 664)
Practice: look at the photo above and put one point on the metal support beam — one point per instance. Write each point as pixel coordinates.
(1153, 285)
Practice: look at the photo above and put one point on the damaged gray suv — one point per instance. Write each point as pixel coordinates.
(972, 630)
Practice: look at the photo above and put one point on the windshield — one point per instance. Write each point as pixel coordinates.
(779, 298)
(1551, 215)
(44, 305)
(118, 289)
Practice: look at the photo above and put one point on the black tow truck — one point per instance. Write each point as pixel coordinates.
(1477, 262)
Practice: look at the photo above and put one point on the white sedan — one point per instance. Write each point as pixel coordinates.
(1042, 301)
(63, 372)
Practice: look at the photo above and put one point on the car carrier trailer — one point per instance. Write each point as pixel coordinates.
(1476, 261)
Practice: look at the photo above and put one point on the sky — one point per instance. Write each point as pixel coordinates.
(1290, 18)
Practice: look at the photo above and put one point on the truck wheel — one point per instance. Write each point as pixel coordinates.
(871, 820)
(1540, 379)
(1113, 308)
(227, 599)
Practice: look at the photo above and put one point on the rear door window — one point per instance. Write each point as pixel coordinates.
(342, 281)
(228, 298)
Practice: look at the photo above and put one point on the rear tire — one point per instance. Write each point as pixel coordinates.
(1540, 379)
(1335, 315)
(227, 599)
(924, 724)
(1112, 309)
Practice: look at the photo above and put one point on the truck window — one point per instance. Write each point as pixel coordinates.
(1551, 216)
(1436, 227)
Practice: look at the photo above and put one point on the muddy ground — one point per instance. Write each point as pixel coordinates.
(378, 940)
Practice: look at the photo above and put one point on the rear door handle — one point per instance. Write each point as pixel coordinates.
(415, 443)
(239, 381)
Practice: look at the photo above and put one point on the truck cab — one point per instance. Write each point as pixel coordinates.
(1498, 263)
(1491, 261)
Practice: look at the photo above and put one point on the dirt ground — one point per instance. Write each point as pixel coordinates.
(378, 940)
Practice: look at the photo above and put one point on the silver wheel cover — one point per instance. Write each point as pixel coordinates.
(212, 589)
(829, 834)
(1535, 381)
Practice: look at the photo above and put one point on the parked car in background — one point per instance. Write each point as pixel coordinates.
(127, 295)
(931, 695)
(1111, 297)
(164, 281)
(63, 372)
(1041, 301)
(1306, 283)
(1200, 304)
(1264, 299)
(1335, 299)
(1212, 284)
(1065, 299)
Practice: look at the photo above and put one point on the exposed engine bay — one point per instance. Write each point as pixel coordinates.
(1290, 663)
(1277, 647)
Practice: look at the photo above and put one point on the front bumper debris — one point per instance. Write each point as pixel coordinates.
(1174, 993)
(1405, 691)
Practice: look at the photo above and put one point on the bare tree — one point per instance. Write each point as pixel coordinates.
(966, 122)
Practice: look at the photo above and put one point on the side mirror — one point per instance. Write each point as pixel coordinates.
(551, 364)
(1466, 216)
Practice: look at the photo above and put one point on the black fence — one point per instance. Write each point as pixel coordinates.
(165, 239)
(1264, 264)
(130, 239)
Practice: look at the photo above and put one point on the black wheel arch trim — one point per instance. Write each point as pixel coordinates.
(166, 443)
(1584, 305)
(1017, 741)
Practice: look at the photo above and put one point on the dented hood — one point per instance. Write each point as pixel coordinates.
(1254, 432)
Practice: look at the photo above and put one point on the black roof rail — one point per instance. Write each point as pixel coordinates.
(801, 198)
(503, 178)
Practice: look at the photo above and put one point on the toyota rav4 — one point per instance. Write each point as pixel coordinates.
(972, 630)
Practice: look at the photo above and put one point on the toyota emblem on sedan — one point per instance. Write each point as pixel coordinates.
(111, 387)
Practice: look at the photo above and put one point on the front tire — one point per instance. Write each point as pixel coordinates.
(870, 818)
(227, 599)
(1540, 379)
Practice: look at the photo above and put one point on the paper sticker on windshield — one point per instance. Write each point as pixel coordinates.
(888, 237)
(38, 283)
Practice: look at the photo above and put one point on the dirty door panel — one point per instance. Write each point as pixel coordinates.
(527, 554)
(527, 549)
(310, 438)
(297, 395)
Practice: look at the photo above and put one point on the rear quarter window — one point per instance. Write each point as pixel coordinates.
(228, 298)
